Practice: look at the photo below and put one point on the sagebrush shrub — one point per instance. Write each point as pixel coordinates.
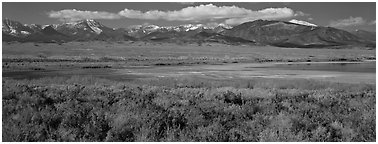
(92, 109)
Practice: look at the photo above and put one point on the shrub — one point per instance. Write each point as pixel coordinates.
(92, 109)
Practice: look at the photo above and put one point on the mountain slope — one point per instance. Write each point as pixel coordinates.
(193, 36)
(80, 30)
(9, 38)
(17, 29)
(266, 32)
(287, 34)
(47, 34)
(366, 35)
(294, 33)
(114, 35)
(219, 38)
(140, 31)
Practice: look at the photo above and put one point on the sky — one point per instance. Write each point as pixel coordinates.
(342, 15)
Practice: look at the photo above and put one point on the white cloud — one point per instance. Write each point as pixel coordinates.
(200, 12)
(351, 21)
(74, 15)
(267, 14)
(299, 13)
(232, 14)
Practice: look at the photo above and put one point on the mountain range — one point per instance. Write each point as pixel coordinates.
(293, 33)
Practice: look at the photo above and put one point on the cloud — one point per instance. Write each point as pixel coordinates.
(191, 13)
(351, 21)
(299, 13)
(232, 14)
(74, 15)
(267, 14)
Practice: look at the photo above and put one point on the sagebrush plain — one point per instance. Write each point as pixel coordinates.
(74, 92)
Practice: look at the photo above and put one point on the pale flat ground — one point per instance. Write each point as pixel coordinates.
(248, 70)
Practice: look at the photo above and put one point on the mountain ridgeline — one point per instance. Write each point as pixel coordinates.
(260, 32)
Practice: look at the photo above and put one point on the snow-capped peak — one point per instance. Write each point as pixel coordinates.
(44, 26)
(225, 26)
(187, 27)
(302, 23)
(151, 27)
(15, 28)
(93, 23)
(144, 26)
(94, 26)
(86, 24)
(193, 26)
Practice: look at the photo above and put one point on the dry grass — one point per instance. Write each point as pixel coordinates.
(154, 51)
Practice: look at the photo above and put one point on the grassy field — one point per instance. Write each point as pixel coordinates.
(76, 104)
(150, 52)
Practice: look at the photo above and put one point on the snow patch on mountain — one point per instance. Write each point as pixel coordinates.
(96, 30)
(87, 24)
(95, 26)
(25, 32)
(44, 26)
(145, 28)
(302, 23)
(225, 26)
(13, 31)
(189, 27)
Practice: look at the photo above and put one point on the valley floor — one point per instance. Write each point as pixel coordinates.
(142, 53)
(99, 91)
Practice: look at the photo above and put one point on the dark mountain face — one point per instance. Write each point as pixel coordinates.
(321, 37)
(286, 34)
(219, 38)
(114, 35)
(49, 30)
(9, 38)
(164, 36)
(47, 34)
(194, 36)
(266, 32)
(366, 35)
